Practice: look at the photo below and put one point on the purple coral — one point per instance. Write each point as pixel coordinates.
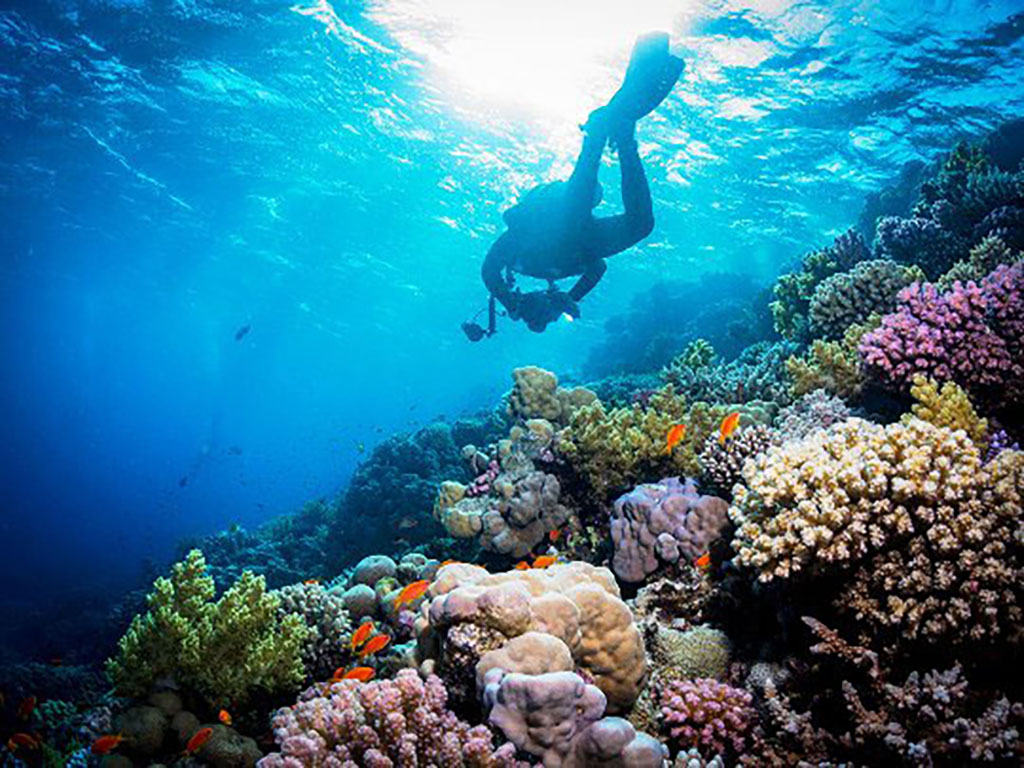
(971, 334)
(707, 714)
(404, 721)
(662, 522)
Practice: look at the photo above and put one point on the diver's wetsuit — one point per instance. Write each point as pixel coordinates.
(561, 237)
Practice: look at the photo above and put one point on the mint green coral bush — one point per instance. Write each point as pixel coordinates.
(223, 649)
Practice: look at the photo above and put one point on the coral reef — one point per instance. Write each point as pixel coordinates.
(326, 618)
(815, 410)
(658, 523)
(536, 395)
(794, 290)
(403, 721)
(834, 366)
(707, 714)
(947, 407)
(722, 462)
(224, 649)
(983, 258)
(576, 602)
(757, 374)
(701, 651)
(972, 335)
(850, 298)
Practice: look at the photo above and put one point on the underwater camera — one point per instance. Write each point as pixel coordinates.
(474, 331)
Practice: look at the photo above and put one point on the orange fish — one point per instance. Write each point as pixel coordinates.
(362, 674)
(106, 744)
(675, 434)
(553, 536)
(411, 593)
(311, 581)
(729, 425)
(21, 740)
(522, 565)
(198, 739)
(224, 716)
(362, 634)
(27, 707)
(378, 643)
(544, 561)
(56, 661)
(703, 561)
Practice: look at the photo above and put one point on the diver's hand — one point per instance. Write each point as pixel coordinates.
(561, 303)
(514, 305)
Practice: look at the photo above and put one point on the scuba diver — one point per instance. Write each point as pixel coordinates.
(552, 233)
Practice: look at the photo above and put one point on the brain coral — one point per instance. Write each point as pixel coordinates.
(577, 603)
(659, 523)
(910, 495)
(849, 298)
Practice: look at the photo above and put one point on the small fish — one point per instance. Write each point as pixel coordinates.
(361, 447)
(411, 593)
(407, 522)
(20, 740)
(183, 481)
(703, 561)
(545, 561)
(362, 634)
(311, 582)
(362, 674)
(522, 565)
(26, 708)
(729, 425)
(224, 716)
(56, 661)
(234, 450)
(553, 536)
(379, 643)
(241, 332)
(106, 744)
(674, 436)
(199, 738)
(400, 541)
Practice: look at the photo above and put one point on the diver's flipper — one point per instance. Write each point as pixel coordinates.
(651, 74)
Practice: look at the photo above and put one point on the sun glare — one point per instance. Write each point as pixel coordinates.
(554, 58)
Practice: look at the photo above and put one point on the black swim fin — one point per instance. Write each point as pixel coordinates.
(651, 74)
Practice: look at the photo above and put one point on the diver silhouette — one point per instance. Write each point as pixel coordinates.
(552, 232)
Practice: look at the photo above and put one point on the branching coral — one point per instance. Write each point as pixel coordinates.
(224, 649)
(722, 463)
(324, 614)
(658, 523)
(707, 714)
(404, 721)
(850, 298)
(756, 374)
(793, 291)
(984, 258)
(834, 366)
(973, 335)
(932, 533)
(947, 407)
(815, 410)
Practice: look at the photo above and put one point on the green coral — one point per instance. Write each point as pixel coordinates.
(832, 365)
(698, 354)
(983, 259)
(223, 649)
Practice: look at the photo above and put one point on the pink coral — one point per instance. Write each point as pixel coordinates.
(971, 334)
(481, 484)
(705, 713)
(404, 721)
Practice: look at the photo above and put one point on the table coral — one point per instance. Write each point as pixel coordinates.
(577, 603)
(223, 649)
(851, 297)
(973, 335)
(658, 523)
(404, 721)
(707, 714)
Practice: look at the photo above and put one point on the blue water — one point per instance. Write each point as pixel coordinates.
(330, 174)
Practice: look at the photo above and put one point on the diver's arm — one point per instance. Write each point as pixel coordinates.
(591, 276)
(499, 257)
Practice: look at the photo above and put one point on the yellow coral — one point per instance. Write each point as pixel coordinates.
(536, 395)
(947, 407)
(222, 649)
(832, 365)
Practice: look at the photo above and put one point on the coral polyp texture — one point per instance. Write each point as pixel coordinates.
(537, 395)
(972, 335)
(850, 298)
(721, 463)
(660, 523)
(404, 721)
(707, 714)
(224, 649)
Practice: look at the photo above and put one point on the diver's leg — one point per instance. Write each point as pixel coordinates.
(581, 185)
(613, 234)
